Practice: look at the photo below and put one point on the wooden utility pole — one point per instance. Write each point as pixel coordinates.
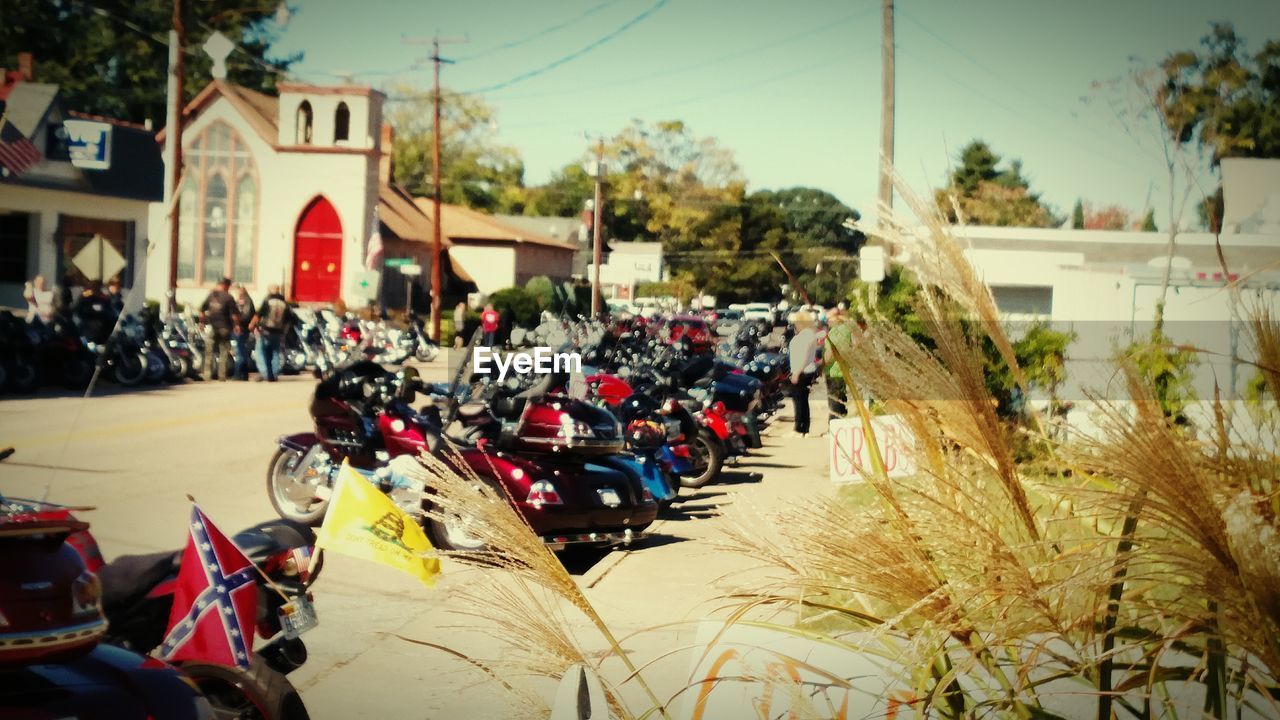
(437, 275)
(595, 229)
(886, 110)
(173, 131)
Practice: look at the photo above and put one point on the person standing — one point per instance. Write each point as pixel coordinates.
(243, 335)
(272, 321)
(489, 319)
(40, 301)
(459, 323)
(217, 320)
(802, 352)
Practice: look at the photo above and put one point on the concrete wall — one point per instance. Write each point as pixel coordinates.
(287, 182)
(45, 206)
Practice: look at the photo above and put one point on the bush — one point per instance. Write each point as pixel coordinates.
(518, 304)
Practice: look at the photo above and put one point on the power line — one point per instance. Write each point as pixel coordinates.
(574, 55)
(824, 27)
(541, 33)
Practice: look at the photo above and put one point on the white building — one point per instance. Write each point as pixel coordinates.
(284, 190)
(626, 266)
(493, 254)
(73, 225)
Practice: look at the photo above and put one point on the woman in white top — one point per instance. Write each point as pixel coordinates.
(39, 300)
(802, 351)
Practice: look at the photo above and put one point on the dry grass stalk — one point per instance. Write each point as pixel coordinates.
(457, 491)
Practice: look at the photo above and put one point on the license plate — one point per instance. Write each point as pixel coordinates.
(609, 497)
(297, 616)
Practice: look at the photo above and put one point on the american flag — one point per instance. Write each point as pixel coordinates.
(373, 257)
(17, 154)
(216, 601)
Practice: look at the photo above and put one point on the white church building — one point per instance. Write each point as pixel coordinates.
(284, 190)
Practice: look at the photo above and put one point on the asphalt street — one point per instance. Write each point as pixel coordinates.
(136, 455)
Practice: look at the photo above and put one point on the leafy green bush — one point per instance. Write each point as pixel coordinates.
(517, 303)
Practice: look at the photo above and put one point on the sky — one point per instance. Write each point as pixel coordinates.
(793, 88)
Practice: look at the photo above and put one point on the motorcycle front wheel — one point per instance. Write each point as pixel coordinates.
(706, 452)
(293, 499)
(255, 693)
(179, 367)
(129, 368)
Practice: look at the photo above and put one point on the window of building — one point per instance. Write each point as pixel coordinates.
(217, 209)
(14, 227)
(1023, 302)
(304, 124)
(341, 123)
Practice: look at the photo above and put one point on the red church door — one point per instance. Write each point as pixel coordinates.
(317, 254)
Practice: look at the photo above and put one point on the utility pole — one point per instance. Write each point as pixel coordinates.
(886, 111)
(595, 229)
(437, 276)
(173, 135)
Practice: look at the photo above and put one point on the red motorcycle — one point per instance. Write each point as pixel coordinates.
(75, 631)
(547, 456)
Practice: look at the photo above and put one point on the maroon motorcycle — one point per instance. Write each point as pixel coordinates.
(541, 459)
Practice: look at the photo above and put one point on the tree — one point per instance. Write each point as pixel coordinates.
(1227, 101)
(115, 62)
(1077, 215)
(980, 192)
(475, 170)
(1107, 217)
(1149, 222)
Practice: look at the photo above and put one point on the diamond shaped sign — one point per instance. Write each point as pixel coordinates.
(98, 259)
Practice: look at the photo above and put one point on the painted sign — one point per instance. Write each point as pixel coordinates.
(849, 454)
(88, 143)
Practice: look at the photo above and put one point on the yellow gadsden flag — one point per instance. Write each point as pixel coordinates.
(364, 523)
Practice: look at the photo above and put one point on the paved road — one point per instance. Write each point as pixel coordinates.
(136, 455)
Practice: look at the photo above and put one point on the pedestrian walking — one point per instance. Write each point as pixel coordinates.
(40, 300)
(242, 333)
(273, 320)
(217, 321)
(802, 352)
(489, 319)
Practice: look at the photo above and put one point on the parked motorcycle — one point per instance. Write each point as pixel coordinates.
(363, 414)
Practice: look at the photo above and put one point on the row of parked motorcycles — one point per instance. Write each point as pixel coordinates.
(147, 349)
(587, 458)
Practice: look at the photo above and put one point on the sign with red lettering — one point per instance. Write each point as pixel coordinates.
(849, 453)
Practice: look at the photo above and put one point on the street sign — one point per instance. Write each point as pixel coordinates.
(410, 270)
(99, 259)
(88, 143)
(365, 284)
(871, 263)
(399, 262)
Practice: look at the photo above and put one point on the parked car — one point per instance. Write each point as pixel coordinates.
(759, 311)
(728, 322)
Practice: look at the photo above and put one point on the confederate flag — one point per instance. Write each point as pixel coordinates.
(216, 601)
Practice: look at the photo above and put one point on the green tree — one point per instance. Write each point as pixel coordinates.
(985, 194)
(475, 170)
(1149, 222)
(114, 61)
(1077, 215)
(1226, 100)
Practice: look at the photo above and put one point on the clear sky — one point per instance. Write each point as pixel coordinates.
(793, 88)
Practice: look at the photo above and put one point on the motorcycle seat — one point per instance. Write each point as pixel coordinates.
(128, 578)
